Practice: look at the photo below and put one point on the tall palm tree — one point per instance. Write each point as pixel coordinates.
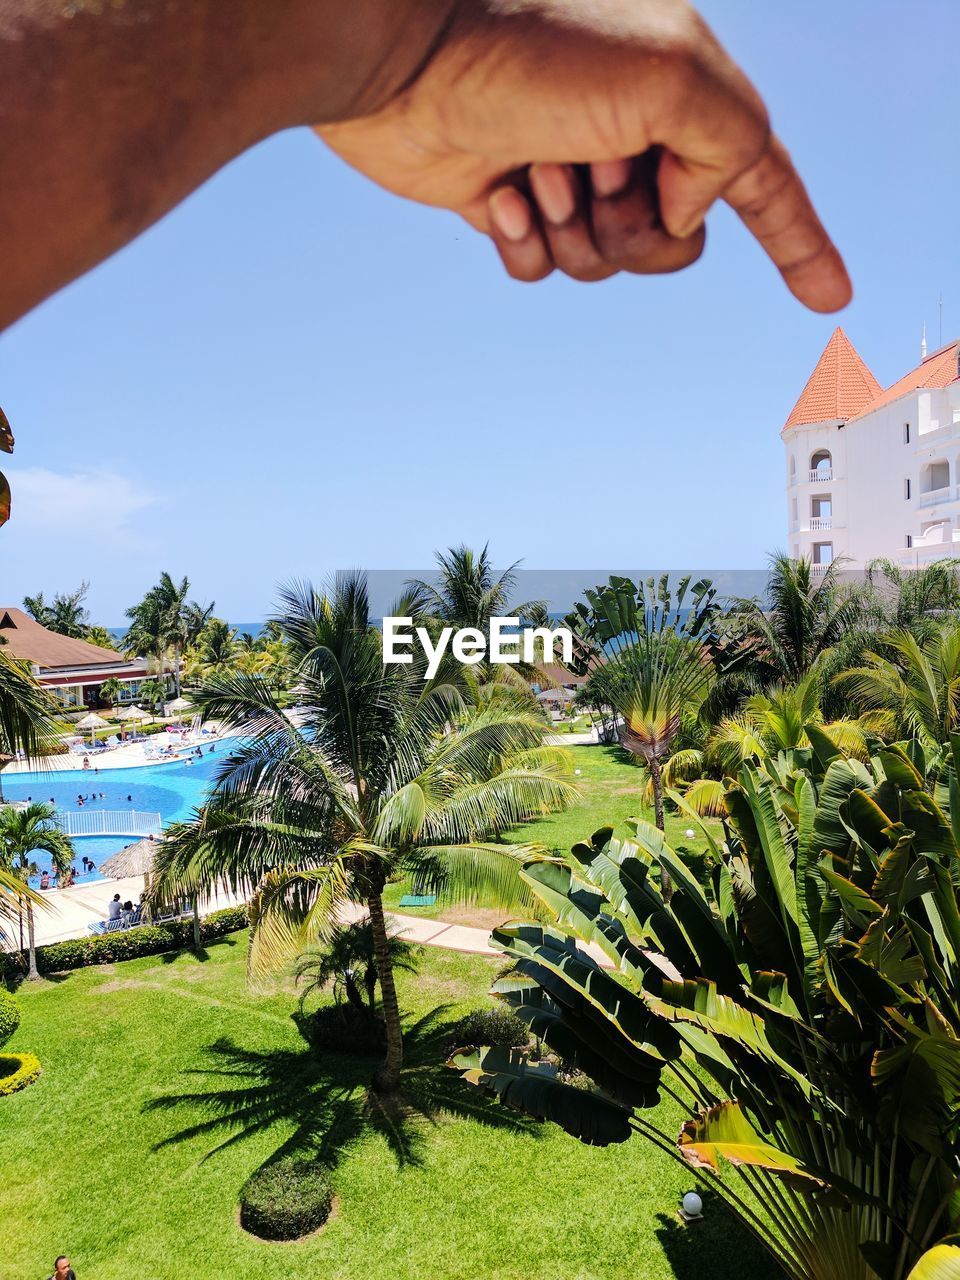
(66, 615)
(27, 725)
(913, 692)
(387, 773)
(799, 620)
(23, 833)
(163, 620)
(469, 592)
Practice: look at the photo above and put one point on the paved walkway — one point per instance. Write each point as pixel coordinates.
(69, 912)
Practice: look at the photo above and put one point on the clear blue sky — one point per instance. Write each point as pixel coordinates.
(295, 372)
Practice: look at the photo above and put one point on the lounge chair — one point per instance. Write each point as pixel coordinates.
(107, 926)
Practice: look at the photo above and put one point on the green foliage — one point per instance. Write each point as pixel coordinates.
(444, 1187)
(9, 1016)
(497, 1027)
(17, 1070)
(395, 772)
(126, 944)
(811, 1022)
(347, 963)
(286, 1199)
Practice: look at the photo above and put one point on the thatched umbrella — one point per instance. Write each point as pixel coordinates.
(134, 860)
(92, 722)
(126, 714)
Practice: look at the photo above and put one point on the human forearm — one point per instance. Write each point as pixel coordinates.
(111, 114)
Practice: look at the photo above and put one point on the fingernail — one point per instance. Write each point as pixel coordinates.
(553, 186)
(609, 177)
(686, 227)
(510, 213)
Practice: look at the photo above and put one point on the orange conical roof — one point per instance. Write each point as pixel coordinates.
(841, 386)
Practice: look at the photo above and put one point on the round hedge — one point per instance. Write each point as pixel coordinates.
(17, 1070)
(286, 1199)
(496, 1028)
(9, 1016)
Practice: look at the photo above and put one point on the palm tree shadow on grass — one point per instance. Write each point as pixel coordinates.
(734, 1254)
(326, 1098)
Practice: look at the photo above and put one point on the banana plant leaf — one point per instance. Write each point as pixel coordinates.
(535, 1089)
(942, 1262)
(725, 1131)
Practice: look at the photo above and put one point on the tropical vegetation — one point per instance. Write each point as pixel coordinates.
(809, 1025)
(385, 773)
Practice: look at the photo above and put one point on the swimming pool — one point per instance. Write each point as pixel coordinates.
(173, 790)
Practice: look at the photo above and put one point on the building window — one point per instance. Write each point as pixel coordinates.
(909, 541)
(906, 488)
(906, 433)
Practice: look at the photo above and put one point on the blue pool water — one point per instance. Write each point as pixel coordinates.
(173, 790)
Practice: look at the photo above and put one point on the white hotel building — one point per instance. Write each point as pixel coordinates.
(871, 472)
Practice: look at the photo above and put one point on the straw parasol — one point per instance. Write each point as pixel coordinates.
(179, 704)
(128, 713)
(135, 860)
(92, 722)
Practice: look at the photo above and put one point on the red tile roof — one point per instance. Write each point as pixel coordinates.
(841, 385)
(938, 370)
(27, 639)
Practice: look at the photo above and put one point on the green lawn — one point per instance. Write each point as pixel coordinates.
(101, 1159)
(611, 790)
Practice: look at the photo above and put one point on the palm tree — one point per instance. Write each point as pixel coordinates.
(801, 618)
(110, 692)
(915, 692)
(216, 651)
(27, 725)
(665, 680)
(647, 650)
(349, 962)
(388, 773)
(66, 615)
(196, 618)
(469, 592)
(24, 832)
(162, 621)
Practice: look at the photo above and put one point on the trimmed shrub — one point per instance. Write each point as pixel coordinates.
(17, 1070)
(128, 944)
(496, 1028)
(286, 1199)
(9, 1016)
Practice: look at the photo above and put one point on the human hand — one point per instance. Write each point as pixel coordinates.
(592, 136)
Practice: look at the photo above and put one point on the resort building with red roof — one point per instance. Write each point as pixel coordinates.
(72, 670)
(874, 472)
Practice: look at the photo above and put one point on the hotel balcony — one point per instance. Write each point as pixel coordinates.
(819, 474)
(818, 523)
(948, 493)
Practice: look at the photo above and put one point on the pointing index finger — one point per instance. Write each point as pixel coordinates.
(774, 206)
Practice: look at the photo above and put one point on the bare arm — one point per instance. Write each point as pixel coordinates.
(590, 136)
(111, 113)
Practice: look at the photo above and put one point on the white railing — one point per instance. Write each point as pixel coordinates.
(820, 522)
(106, 822)
(818, 570)
(820, 473)
(930, 499)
